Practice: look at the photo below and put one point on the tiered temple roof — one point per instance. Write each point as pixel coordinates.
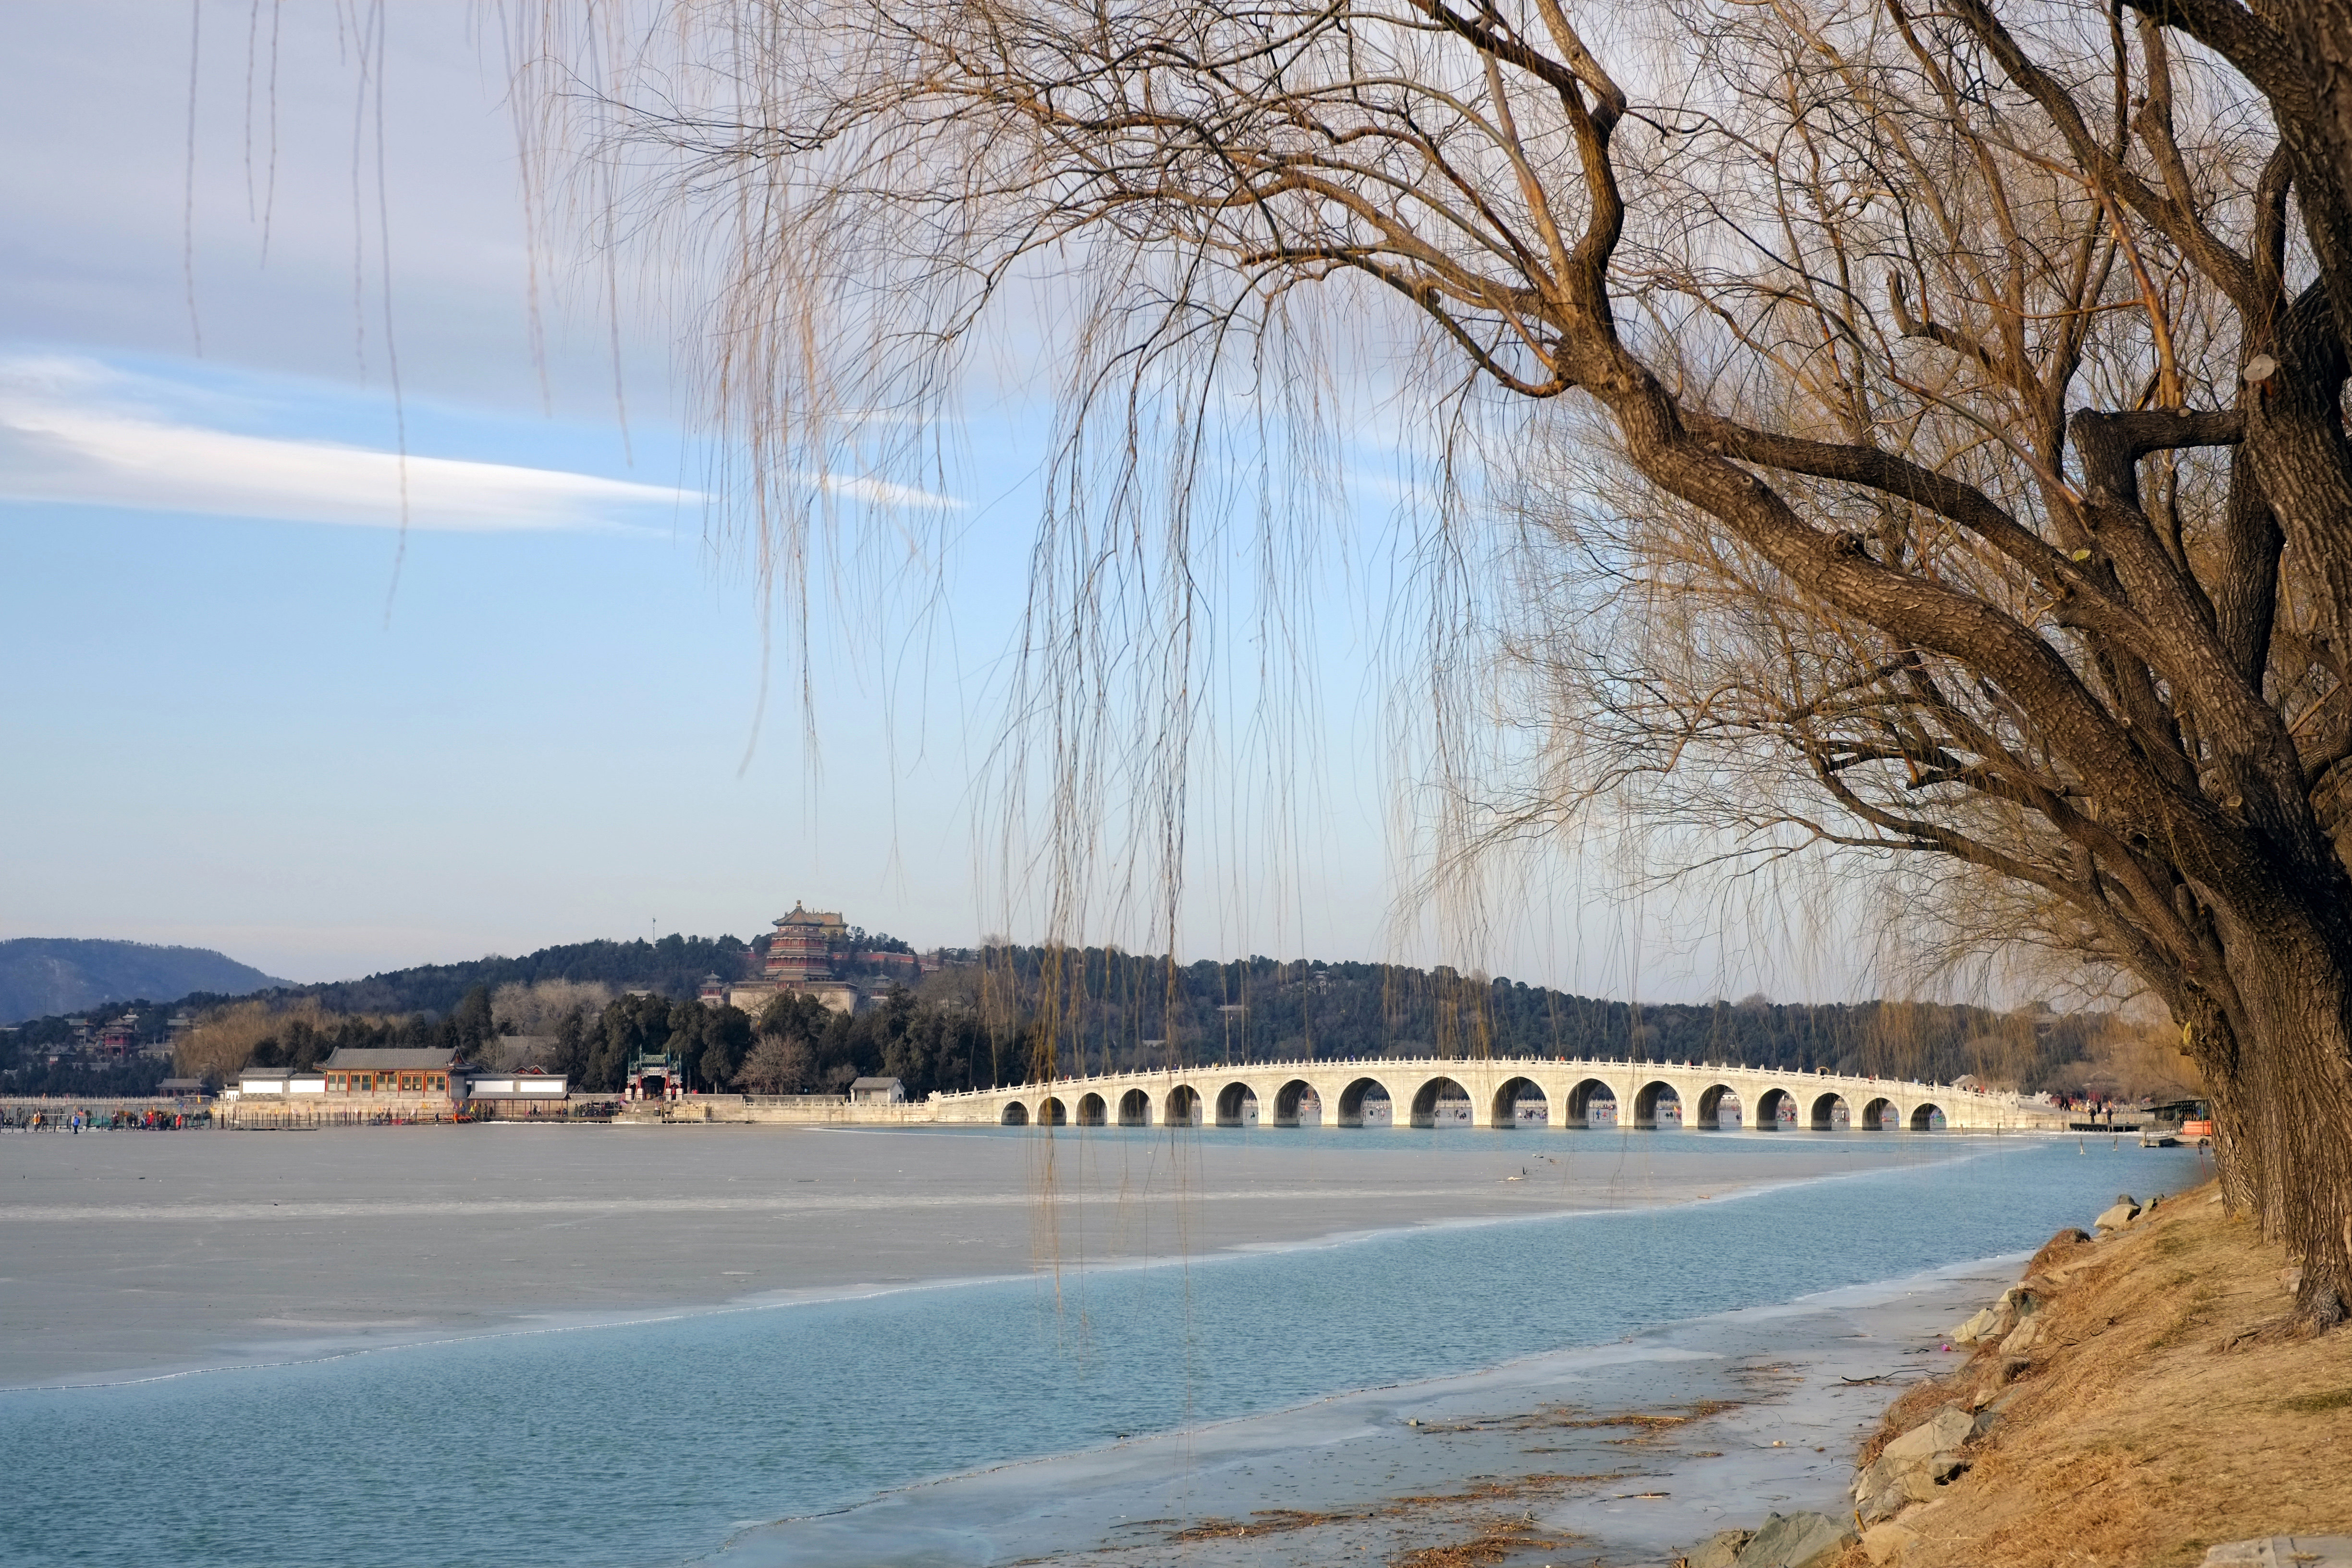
(802, 949)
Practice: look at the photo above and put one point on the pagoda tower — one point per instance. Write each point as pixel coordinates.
(802, 949)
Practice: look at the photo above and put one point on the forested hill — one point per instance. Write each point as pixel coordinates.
(996, 1017)
(1110, 1008)
(1116, 1010)
(674, 966)
(42, 976)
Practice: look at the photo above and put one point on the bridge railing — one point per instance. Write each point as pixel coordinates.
(1139, 1076)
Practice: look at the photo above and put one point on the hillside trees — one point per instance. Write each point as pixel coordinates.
(224, 1039)
(1988, 357)
(471, 1025)
(1117, 1011)
(930, 1042)
(711, 1041)
(539, 1007)
(294, 1034)
(628, 1026)
(675, 964)
(1114, 1013)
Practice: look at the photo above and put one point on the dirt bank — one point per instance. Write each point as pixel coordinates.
(2144, 1419)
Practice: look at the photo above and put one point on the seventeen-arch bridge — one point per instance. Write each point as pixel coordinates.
(1523, 1092)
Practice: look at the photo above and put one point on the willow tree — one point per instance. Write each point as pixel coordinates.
(1993, 359)
(1953, 315)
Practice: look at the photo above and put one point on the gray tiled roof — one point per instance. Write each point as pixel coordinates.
(354, 1058)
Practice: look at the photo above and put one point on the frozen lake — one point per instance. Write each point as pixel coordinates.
(620, 1346)
(130, 1253)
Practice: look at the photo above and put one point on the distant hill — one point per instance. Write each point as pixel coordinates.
(674, 966)
(42, 979)
(42, 976)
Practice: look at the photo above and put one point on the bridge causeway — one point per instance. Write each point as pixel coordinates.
(1499, 1092)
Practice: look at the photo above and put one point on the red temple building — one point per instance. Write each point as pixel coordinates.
(119, 1039)
(802, 949)
(800, 961)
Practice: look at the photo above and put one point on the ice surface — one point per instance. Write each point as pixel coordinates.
(127, 1254)
(614, 1348)
(1437, 1461)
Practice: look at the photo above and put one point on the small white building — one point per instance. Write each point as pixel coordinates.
(529, 1085)
(278, 1083)
(877, 1092)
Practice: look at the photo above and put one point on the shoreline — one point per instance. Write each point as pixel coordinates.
(2139, 1396)
(1226, 1493)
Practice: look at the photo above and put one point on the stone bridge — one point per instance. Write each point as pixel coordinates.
(1525, 1093)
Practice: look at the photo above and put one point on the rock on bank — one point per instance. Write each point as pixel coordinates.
(2120, 1405)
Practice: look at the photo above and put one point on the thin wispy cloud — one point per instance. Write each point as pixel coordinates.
(883, 492)
(78, 432)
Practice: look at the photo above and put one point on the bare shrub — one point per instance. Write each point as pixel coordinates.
(541, 1008)
(778, 1064)
(223, 1040)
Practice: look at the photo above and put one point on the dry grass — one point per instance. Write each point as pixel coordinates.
(2318, 1403)
(1496, 1538)
(1265, 1522)
(1567, 1417)
(2058, 1251)
(1515, 1490)
(1915, 1404)
(1480, 1551)
(1480, 1510)
(2150, 1424)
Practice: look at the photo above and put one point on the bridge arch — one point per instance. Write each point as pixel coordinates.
(1563, 1094)
(1657, 1103)
(1712, 1101)
(1352, 1097)
(1426, 1097)
(1587, 1097)
(1514, 1093)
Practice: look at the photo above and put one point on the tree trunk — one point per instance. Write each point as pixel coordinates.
(2299, 1092)
(2213, 1041)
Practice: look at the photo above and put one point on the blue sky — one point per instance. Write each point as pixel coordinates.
(247, 709)
(250, 711)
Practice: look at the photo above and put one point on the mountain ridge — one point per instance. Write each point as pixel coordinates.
(43, 976)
